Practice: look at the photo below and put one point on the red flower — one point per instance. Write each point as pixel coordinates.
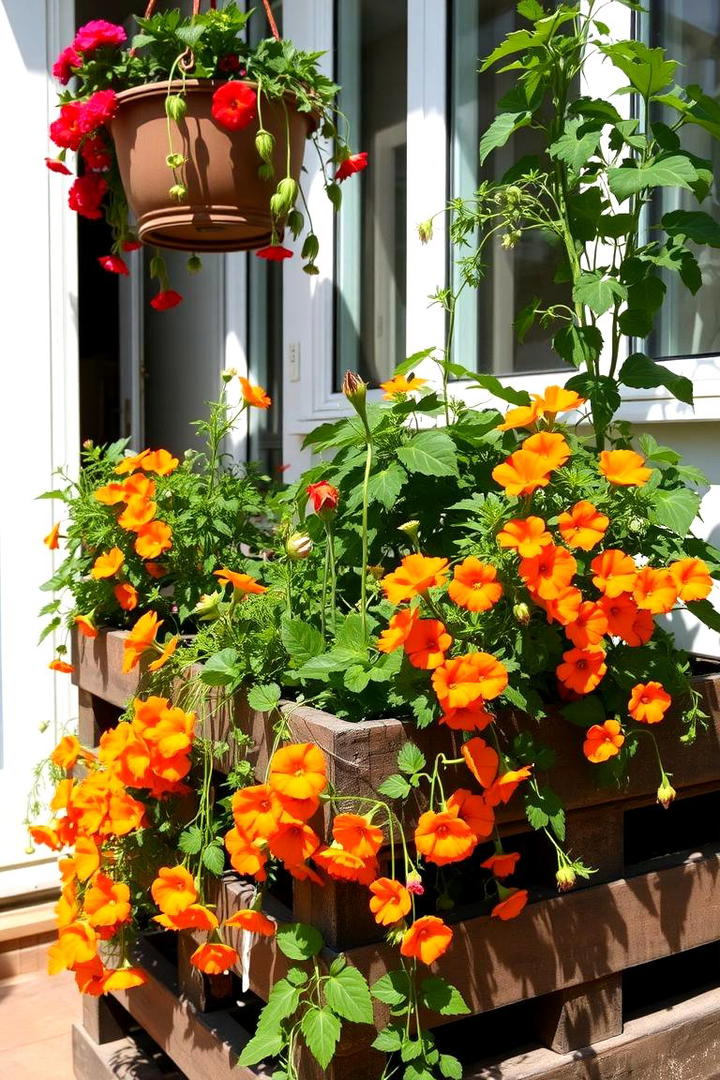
(274, 253)
(86, 194)
(234, 106)
(55, 165)
(131, 245)
(229, 63)
(166, 299)
(96, 33)
(63, 67)
(113, 264)
(97, 110)
(323, 496)
(66, 130)
(352, 164)
(96, 154)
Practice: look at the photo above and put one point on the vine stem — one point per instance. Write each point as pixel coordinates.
(365, 502)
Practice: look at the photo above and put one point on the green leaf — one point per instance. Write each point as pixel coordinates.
(441, 997)
(356, 678)
(602, 394)
(531, 9)
(393, 988)
(695, 225)
(578, 345)
(389, 1040)
(597, 292)
(410, 759)
(220, 669)
(190, 840)
(213, 859)
(395, 787)
(543, 808)
(190, 35)
(299, 941)
(411, 1049)
(450, 1067)
(674, 510)
(298, 977)
(647, 69)
(348, 995)
(302, 641)
(644, 298)
(385, 486)
(501, 129)
(642, 372)
(499, 390)
(262, 1046)
(411, 362)
(706, 613)
(321, 1029)
(431, 453)
(264, 698)
(674, 171)
(577, 144)
(283, 1001)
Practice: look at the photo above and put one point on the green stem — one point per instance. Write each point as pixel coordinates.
(364, 526)
(330, 554)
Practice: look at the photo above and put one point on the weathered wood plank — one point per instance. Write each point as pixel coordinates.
(123, 1059)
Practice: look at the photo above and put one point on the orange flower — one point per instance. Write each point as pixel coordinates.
(624, 468)
(344, 866)
(444, 837)
(465, 680)
(253, 921)
(521, 473)
(194, 917)
(173, 889)
(398, 630)
(61, 665)
(139, 486)
(655, 591)
(257, 810)
(649, 702)
(615, 572)
(522, 416)
(474, 585)
(254, 396)
(563, 608)
(45, 835)
(241, 583)
(298, 770)
(131, 463)
(76, 944)
(589, 626)
(140, 639)
(137, 513)
(67, 909)
(293, 842)
(556, 399)
(528, 536)
(107, 902)
(603, 741)
(399, 384)
(427, 643)
(415, 575)
(152, 539)
(126, 596)
(474, 718)
(549, 573)
(481, 760)
(159, 461)
(582, 669)
(303, 872)
(156, 570)
(165, 653)
(692, 578)
(246, 856)
(390, 901)
(51, 540)
(427, 939)
(584, 526)
(86, 626)
(356, 834)
(474, 811)
(626, 620)
(68, 751)
(213, 958)
(107, 565)
(111, 494)
(502, 864)
(550, 447)
(86, 857)
(511, 905)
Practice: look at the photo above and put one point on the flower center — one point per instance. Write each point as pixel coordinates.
(442, 830)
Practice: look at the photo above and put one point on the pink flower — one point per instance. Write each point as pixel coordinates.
(354, 163)
(86, 195)
(67, 61)
(55, 165)
(96, 33)
(96, 154)
(166, 299)
(66, 130)
(274, 253)
(414, 883)
(234, 105)
(114, 264)
(97, 110)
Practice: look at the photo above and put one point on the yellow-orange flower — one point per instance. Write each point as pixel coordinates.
(254, 396)
(521, 416)
(253, 921)
(511, 905)
(293, 842)
(357, 834)
(51, 540)
(583, 526)
(161, 462)
(474, 718)
(482, 760)
(624, 468)
(603, 741)
(68, 751)
(474, 585)
(474, 811)
(76, 944)
(444, 837)
(692, 578)
(126, 596)
(137, 513)
(213, 958)
(194, 917)
(563, 608)
(246, 856)
(615, 572)
(427, 643)
(86, 626)
(427, 939)
(521, 473)
(152, 539)
(298, 770)
(257, 810)
(61, 665)
(398, 630)
(140, 639)
(399, 384)
(550, 447)
(528, 536)
(415, 575)
(626, 620)
(344, 866)
(107, 565)
(390, 901)
(549, 573)
(557, 399)
(582, 669)
(110, 494)
(465, 680)
(173, 889)
(502, 864)
(241, 583)
(131, 463)
(655, 591)
(107, 902)
(649, 702)
(86, 857)
(165, 653)
(589, 627)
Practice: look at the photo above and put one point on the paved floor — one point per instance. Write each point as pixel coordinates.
(36, 1012)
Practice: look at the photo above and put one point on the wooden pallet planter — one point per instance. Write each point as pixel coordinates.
(566, 952)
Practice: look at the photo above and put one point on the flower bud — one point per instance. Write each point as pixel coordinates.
(174, 161)
(207, 607)
(311, 269)
(395, 934)
(666, 793)
(265, 144)
(228, 374)
(510, 239)
(175, 107)
(521, 613)
(295, 223)
(425, 231)
(194, 264)
(310, 248)
(298, 546)
(266, 171)
(284, 198)
(565, 878)
(178, 191)
(410, 528)
(414, 884)
(158, 268)
(334, 194)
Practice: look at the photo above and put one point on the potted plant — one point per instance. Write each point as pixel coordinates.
(197, 135)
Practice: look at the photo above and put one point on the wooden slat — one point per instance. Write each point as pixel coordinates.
(123, 1059)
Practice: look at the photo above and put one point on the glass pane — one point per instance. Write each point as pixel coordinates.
(484, 336)
(371, 67)
(689, 30)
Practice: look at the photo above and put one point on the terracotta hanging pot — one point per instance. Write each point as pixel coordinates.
(227, 206)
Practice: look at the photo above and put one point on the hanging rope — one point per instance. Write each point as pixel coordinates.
(271, 20)
(196, 7)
